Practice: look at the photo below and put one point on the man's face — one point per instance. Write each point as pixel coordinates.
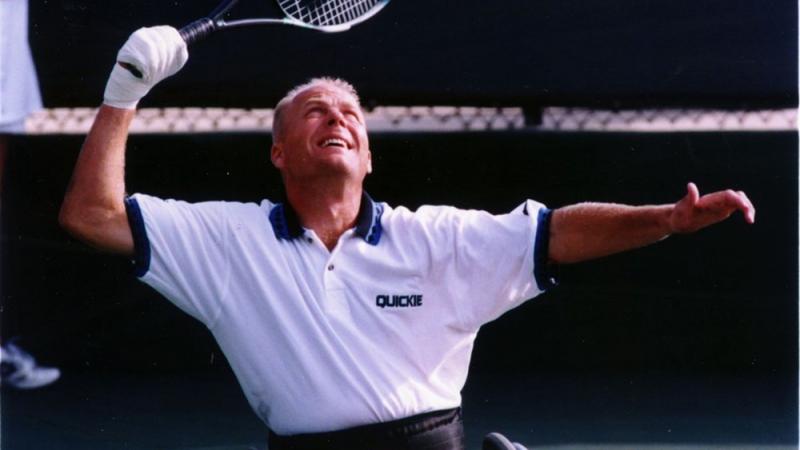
(323, 135)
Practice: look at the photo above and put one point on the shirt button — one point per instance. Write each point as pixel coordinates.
(310, 240)
(330, 267)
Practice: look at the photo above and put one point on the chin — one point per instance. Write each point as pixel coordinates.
(336, 166)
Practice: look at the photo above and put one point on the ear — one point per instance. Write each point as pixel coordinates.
(369, 161)
(276, 155)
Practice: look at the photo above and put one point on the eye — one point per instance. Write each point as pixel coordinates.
(352, 115)
(315, 111)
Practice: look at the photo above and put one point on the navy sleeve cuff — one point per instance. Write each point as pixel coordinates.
(542, 269)
(141, 244)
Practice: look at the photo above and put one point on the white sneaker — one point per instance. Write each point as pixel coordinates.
(496, 441)
(19, 369)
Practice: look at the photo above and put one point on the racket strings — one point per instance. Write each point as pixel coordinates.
(328, 12)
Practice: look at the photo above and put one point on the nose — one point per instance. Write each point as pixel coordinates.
(335, 117)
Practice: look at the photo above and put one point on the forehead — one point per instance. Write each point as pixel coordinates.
(325, 93)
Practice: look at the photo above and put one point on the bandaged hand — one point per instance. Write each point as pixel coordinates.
(156, 53)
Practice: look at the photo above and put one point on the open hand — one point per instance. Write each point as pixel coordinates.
(694, 212)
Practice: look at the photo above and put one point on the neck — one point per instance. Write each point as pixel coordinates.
(328, 209)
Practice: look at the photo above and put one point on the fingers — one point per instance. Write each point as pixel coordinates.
(173, 51)
(727, 202)
(692, 193)
(147, 57)
(737, 200)
(747, 208)
(157, 51)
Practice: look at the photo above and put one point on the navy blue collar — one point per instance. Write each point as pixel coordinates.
(287, 226)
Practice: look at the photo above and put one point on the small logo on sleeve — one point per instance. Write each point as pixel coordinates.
(398, 301)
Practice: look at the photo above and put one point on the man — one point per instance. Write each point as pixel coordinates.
(348, 323)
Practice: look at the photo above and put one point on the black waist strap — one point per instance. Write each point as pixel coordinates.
(438, 430)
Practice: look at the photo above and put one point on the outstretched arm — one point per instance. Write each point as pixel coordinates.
(592, 230)
(93, 209)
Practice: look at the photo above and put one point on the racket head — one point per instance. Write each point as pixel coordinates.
(330, 15)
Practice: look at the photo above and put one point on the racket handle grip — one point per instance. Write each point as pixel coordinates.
(197, 30)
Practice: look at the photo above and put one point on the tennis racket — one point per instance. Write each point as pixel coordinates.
(324, 15)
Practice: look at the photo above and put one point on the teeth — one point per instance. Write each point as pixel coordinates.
(334, 141)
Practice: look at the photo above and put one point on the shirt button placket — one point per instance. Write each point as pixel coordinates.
(329, 275)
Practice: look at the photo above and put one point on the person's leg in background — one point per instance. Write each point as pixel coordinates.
(19, 97)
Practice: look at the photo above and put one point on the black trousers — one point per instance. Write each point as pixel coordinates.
(439, 430)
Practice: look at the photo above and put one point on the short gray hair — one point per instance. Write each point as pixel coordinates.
(290, 96)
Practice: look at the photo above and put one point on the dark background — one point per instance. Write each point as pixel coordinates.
(692, 340)
(732, 53)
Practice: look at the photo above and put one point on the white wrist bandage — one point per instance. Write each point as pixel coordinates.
(156, 53)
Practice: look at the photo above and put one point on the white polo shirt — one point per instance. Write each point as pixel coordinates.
(380, 328)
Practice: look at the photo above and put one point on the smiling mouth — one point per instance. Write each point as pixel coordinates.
(334, 142)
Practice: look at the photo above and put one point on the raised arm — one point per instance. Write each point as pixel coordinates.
(592, 230)
(94, 206)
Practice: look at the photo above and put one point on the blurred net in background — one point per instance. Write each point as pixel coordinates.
(434, 119)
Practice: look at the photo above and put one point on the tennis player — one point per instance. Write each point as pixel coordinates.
(348, 322)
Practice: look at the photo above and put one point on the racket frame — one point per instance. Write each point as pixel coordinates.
(214, 22)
